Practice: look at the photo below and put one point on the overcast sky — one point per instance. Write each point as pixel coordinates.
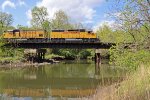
(91, 13)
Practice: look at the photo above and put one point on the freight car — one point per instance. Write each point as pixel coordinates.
(57, 36)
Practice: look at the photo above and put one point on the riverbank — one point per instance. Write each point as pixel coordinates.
(19, 63)
(136, 86)
(31, 61)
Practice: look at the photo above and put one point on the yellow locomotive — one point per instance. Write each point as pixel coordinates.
(76, 35)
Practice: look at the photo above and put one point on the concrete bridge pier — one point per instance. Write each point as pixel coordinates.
(35, 55)
(97, 61)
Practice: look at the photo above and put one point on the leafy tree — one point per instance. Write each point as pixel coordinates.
(134, 18)
(61, 21)
(47, 27)
(39, 16)
(85, 53)
(40, 19)
(5, 21)
(105, 33)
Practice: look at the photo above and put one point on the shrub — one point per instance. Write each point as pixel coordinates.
(127, 58)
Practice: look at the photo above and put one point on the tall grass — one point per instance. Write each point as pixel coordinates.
(136, 86)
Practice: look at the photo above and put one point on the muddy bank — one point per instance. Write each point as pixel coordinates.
(28, 63)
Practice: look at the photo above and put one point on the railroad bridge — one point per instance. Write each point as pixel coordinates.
(40, 47)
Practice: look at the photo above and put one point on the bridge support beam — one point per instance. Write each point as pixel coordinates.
(40, 54)
(97, 61)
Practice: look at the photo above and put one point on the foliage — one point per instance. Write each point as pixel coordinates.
(61, 21)
(85, 53)
(67, 53)
(107, 34)
(39, 16)
(47, 28)
(133, 33)
(133, 16)
(7, 60)
(5, 21)
(40, 19)
(73, 53)
(50, 56)
(129, 59)
(8, 55)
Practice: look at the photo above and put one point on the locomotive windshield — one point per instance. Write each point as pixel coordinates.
(58, 30)
(9, 31)
(89, 31)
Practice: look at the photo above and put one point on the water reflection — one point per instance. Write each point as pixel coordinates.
(67, 79)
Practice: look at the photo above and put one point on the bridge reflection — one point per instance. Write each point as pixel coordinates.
(28, 92)
(77, 87)
(71, 80)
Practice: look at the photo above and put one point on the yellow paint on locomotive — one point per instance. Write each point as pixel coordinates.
(40, 34)
(72, 34)
(24, 34)
(31, 34)
(8, 34)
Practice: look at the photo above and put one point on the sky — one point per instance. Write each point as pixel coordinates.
(91, 13)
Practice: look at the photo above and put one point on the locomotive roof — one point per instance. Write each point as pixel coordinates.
(53, 30)
(62, 30)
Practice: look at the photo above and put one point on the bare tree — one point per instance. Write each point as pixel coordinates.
(134, 18)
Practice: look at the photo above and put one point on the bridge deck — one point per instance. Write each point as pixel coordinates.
(63, 45)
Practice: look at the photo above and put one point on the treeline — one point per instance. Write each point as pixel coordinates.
(40, 20)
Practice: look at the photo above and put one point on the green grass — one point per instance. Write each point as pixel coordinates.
(7, 60)
(50, 56)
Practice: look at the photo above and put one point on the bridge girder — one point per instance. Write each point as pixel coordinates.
(62, 45)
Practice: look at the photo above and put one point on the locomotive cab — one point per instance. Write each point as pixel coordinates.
(11, 34)
(89, 32)
(8, 34)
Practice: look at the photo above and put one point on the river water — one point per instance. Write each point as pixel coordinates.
(68, 80)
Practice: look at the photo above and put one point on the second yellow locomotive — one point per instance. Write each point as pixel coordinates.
(76, 35)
